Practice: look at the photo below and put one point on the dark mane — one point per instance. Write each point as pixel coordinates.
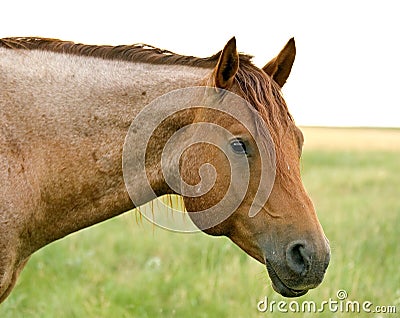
(132, 53)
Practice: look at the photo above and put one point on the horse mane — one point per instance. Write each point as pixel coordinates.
(139, 52)
(255, 85)
(265, 95)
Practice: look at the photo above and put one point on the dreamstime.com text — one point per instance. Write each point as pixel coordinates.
(340, 304)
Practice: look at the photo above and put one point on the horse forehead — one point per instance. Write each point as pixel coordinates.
(243, 122)
(235, 114)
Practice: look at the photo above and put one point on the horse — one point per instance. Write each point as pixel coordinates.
(66, 110)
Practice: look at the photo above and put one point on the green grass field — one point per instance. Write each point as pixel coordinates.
(125, 268)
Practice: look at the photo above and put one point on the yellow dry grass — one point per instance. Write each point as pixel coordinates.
(363, 139)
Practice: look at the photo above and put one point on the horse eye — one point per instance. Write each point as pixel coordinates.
(238, 146)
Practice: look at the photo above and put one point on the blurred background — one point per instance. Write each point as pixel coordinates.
(343, 91)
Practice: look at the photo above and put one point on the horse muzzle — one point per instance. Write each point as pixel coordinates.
(299, 269)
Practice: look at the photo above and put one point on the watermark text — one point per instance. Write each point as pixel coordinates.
(340, 304)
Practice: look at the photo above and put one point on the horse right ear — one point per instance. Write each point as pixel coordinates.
(279, 67)
(227, 66)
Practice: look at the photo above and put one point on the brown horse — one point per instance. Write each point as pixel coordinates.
(65, 110)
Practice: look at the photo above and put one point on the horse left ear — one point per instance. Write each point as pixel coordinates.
(279, 67)
(227, 65)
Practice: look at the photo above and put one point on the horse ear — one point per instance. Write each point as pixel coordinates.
(279, 67)
(227, 66)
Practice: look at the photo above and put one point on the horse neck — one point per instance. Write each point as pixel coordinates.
(68, 117)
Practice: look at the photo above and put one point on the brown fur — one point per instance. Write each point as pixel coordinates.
(61, 142)
(255, 86)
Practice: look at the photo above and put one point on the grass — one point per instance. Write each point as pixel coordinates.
(125, 268)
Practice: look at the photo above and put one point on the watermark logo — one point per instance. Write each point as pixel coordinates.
(340, 304)
(164, 134)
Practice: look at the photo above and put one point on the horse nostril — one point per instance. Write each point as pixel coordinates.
(298, 257)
